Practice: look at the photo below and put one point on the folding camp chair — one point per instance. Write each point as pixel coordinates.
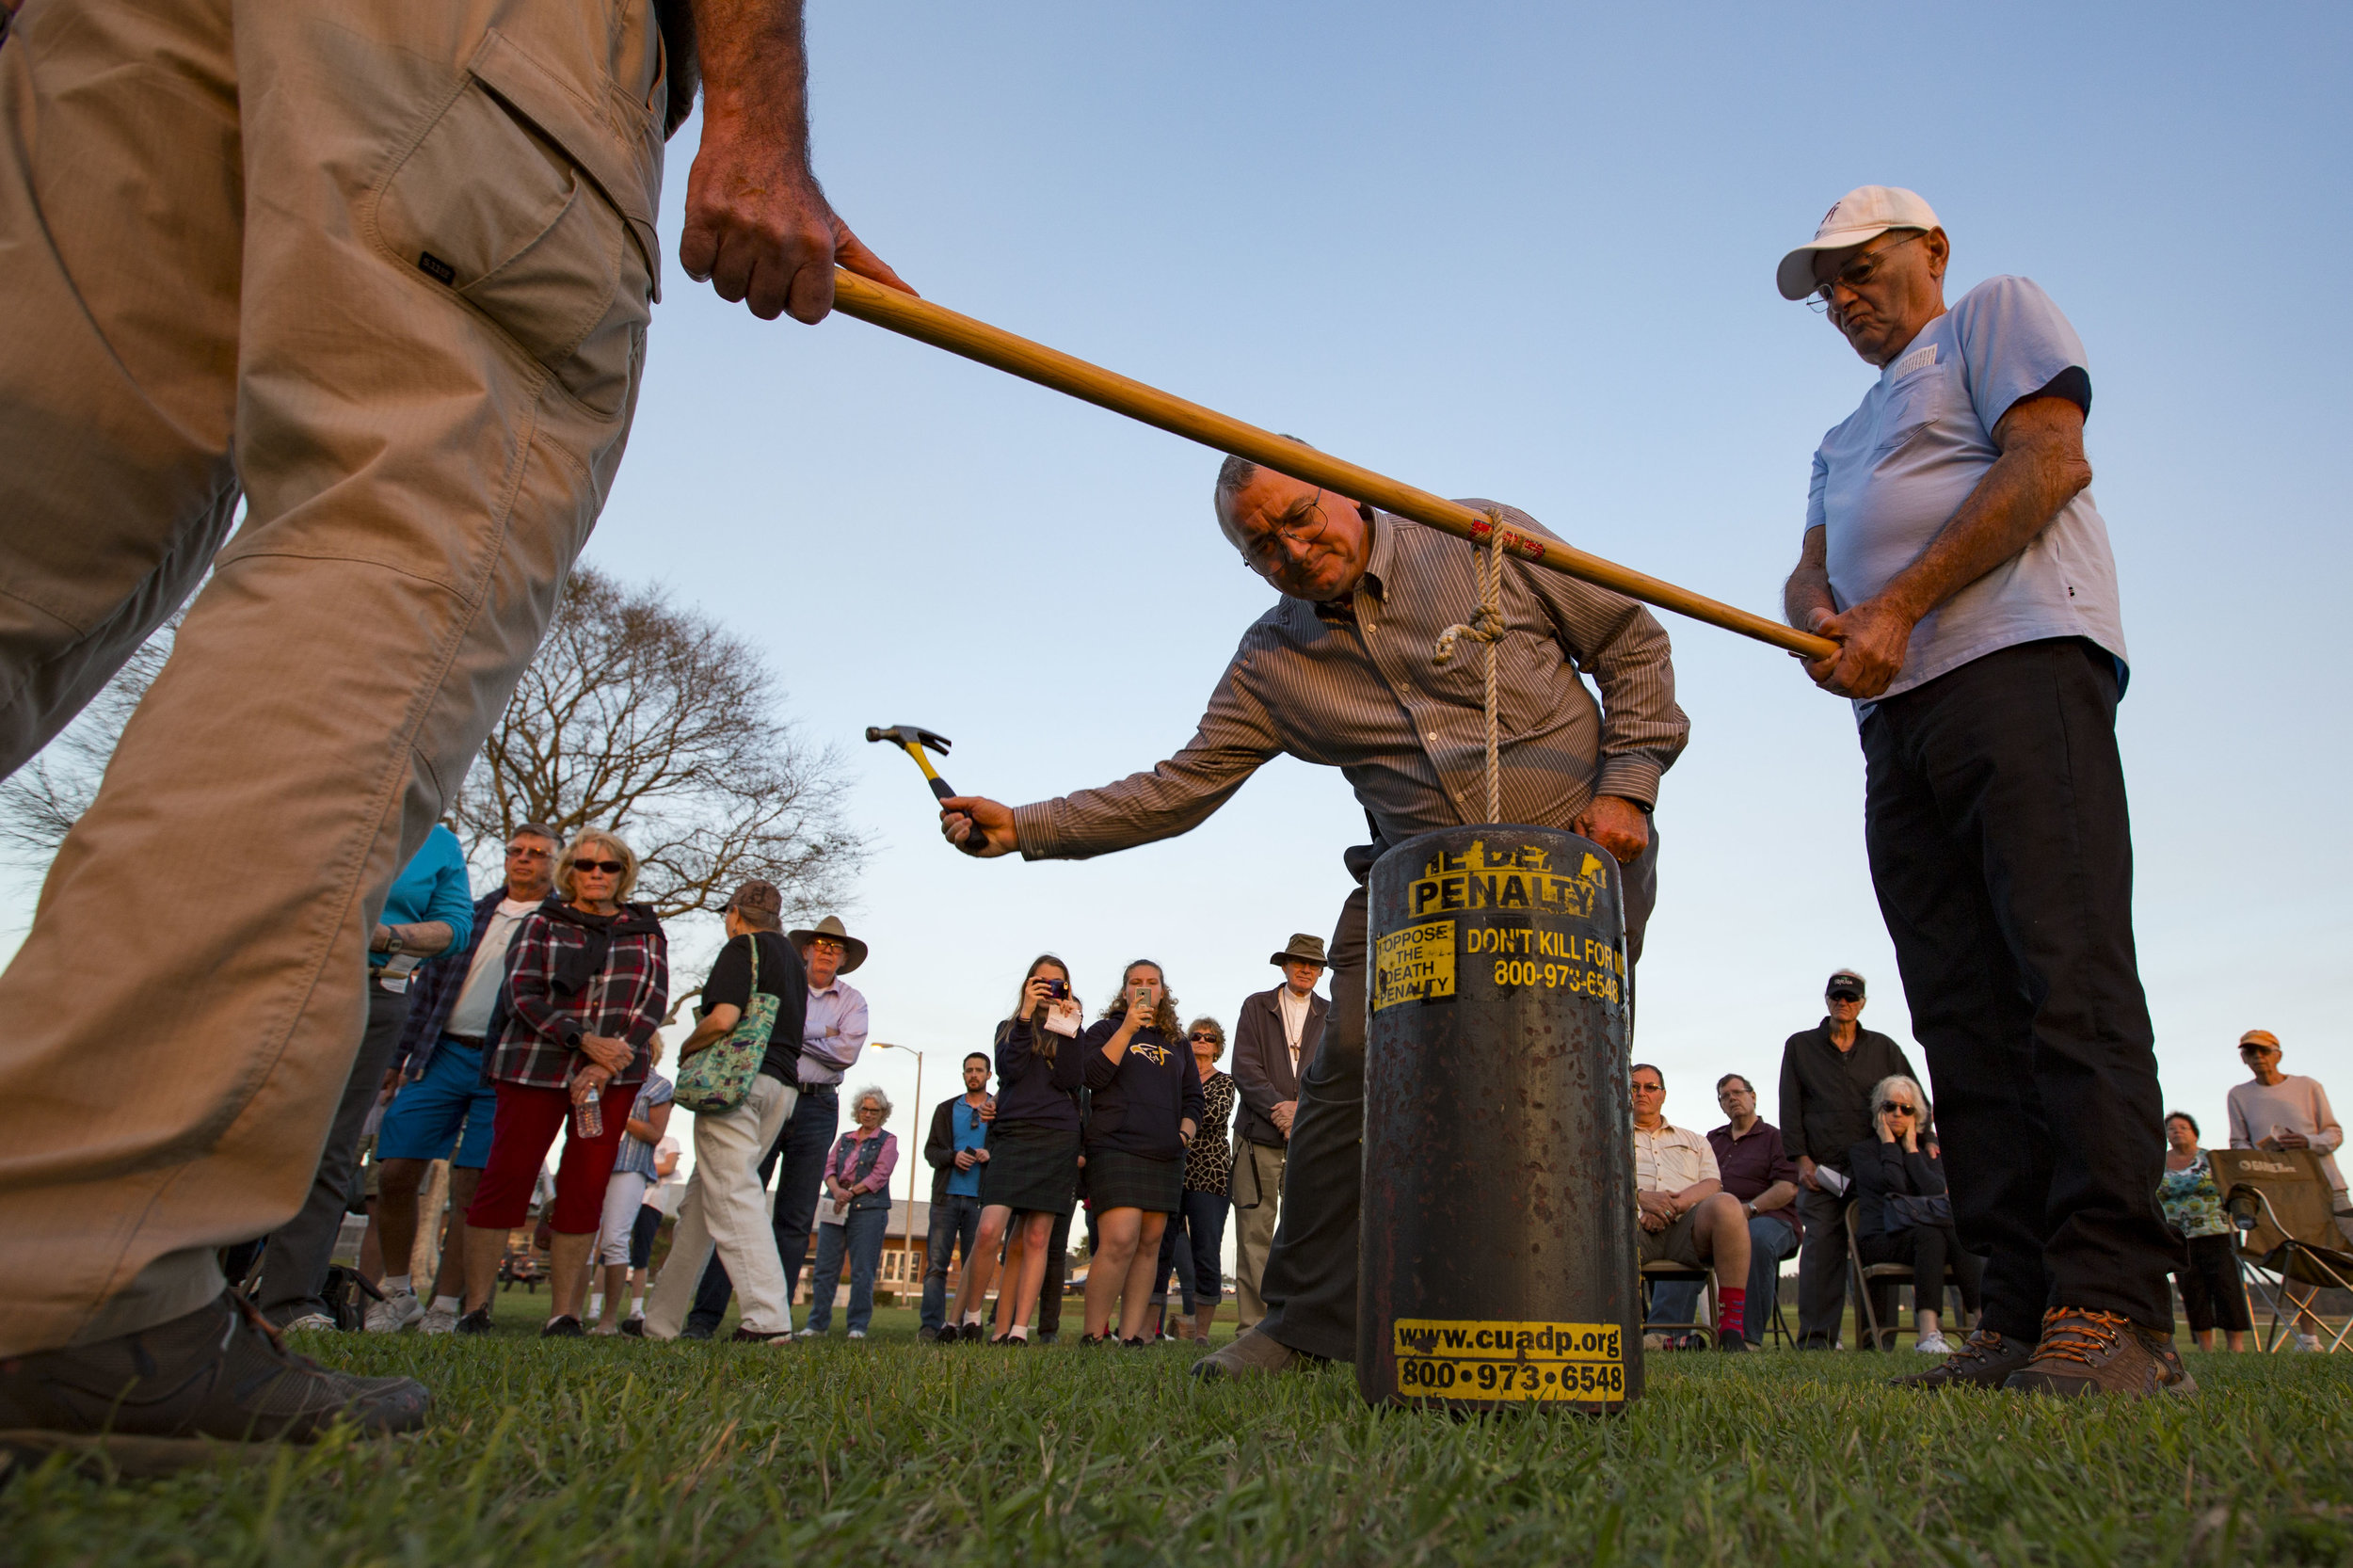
(2288, 1239)
(1666, 1272)
(1894, 1274)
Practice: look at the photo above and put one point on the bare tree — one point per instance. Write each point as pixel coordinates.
(46, 796)
(662, 726)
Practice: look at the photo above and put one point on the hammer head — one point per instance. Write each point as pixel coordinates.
(908, 735)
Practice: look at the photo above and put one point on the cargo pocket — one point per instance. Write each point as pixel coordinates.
(491, 204)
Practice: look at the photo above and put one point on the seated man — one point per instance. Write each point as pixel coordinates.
(1757, 1169)
(1685, 1214)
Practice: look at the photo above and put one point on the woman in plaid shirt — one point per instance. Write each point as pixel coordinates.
(588, 979)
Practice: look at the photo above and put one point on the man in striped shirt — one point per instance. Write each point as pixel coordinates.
(1340, 672)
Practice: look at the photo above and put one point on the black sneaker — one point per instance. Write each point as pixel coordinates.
(562, 1328)
(927, 1335)
(975, 1333)
(1138, 1343)
(1733, 1342)
(634, 1327)
(476, 1321)
(163, 1395)
(753, 1336)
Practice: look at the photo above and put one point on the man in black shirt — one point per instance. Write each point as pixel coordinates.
(1826, 1078)
(725, 1207)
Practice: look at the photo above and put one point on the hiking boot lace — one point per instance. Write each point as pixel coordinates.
(1983, 1345)
(2074, 1336)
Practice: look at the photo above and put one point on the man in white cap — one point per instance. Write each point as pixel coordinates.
(1953, 552)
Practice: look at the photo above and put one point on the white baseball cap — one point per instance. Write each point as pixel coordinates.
(1861, 214)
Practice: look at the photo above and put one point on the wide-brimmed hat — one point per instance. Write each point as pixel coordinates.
(1303, 948)
(853, 951)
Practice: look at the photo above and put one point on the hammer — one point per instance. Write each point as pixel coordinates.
(914, 738)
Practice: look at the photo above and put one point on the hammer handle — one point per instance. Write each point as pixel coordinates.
(975, 836)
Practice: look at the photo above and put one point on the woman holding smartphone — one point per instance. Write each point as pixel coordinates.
(1147, 1106)
(1031, 1176)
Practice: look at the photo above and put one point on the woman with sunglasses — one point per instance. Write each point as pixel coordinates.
(587, 980)
(1147, 1104)
(1195, 1237)
(1031, 1178)
(1904, 1212)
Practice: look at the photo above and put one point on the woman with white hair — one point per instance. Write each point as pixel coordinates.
(852, 1214)
(1904, 1211)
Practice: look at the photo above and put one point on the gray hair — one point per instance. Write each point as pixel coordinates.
(1881, 1090)
(871, 1092)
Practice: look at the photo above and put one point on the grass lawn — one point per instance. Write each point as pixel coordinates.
(617, 1452)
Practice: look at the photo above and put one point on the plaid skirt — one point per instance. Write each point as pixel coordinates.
(1118, 1180)
(1030, 1170)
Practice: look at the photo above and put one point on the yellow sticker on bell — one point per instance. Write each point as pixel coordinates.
(1488, 1360)
(1413, 965)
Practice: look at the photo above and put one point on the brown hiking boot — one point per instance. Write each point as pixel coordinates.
(2101, 1352)
(1251, 1354)
(218, 1374)
(1984, 1362)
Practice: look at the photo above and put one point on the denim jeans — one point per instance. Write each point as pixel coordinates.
(955, 1220)
(862, 1234)
(1769, 1241)
(1190, 1244)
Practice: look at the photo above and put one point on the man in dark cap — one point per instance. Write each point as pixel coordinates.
(1826, 1078)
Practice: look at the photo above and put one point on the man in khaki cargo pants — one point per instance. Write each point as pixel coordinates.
(382, 267)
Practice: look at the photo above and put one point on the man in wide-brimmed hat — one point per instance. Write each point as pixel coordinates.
(1275, 1038)
(831, 1038)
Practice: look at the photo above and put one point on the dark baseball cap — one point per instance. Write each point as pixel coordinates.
(1846, 979)
(755, 897)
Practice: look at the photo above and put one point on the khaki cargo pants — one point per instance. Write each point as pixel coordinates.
(382, 267)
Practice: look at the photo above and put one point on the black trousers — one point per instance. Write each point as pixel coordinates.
(801, 1149)
(2213, 1294)
(1928, 1250)
(2001, 850)
(296, 1256)
(1821, 1267)
(1310, 1287)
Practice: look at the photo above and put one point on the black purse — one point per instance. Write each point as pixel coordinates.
(1901, 1211)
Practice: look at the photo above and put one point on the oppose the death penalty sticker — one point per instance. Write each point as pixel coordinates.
(1510, 1361)
(1413, 965)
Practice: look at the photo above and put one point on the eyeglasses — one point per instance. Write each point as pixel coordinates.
(1265, 551)
(610, 868)
(524, 851)
(1858, 274)
(827, 944)
(1641, 1088)
(1895, 1108)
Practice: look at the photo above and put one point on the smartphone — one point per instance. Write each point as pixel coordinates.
(1058, 989)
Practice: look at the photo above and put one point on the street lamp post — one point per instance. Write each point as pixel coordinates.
(906, 1239)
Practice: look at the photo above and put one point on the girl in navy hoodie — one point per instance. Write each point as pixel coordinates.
(1146, 1107)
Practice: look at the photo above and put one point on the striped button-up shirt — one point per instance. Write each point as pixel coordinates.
(833, 1035)
(1350, 685)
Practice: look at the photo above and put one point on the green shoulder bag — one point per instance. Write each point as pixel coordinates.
(717, 1078)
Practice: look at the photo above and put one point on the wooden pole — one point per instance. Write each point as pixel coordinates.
(941, 328)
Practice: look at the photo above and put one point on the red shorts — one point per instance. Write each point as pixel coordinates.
(524, 1127)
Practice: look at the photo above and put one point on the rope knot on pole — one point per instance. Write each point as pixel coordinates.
(1486, 625)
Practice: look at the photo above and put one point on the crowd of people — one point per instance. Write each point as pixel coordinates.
(1856, 1158)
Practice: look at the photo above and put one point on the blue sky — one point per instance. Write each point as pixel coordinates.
(1523, 253)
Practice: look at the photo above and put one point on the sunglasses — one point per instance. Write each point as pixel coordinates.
(1895, 1108)
(1208, 1039)
(610, 868)
(1846, 996)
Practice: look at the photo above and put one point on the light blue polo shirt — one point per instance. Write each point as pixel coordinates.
(1888, 479)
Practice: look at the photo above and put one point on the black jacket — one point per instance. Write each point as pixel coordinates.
(1879, 1168)
(1262, 1062)
(939, 1147)
(1033, 1092)
(1139, 1099)
(1824, 1094)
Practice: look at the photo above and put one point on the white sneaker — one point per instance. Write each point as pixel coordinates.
(809, 1333)
(396, 1311)
(2308, 1342)
(1933, 1344)
(310, 1322)
(438, 1319)
(606, 1331)
(857, 1334)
